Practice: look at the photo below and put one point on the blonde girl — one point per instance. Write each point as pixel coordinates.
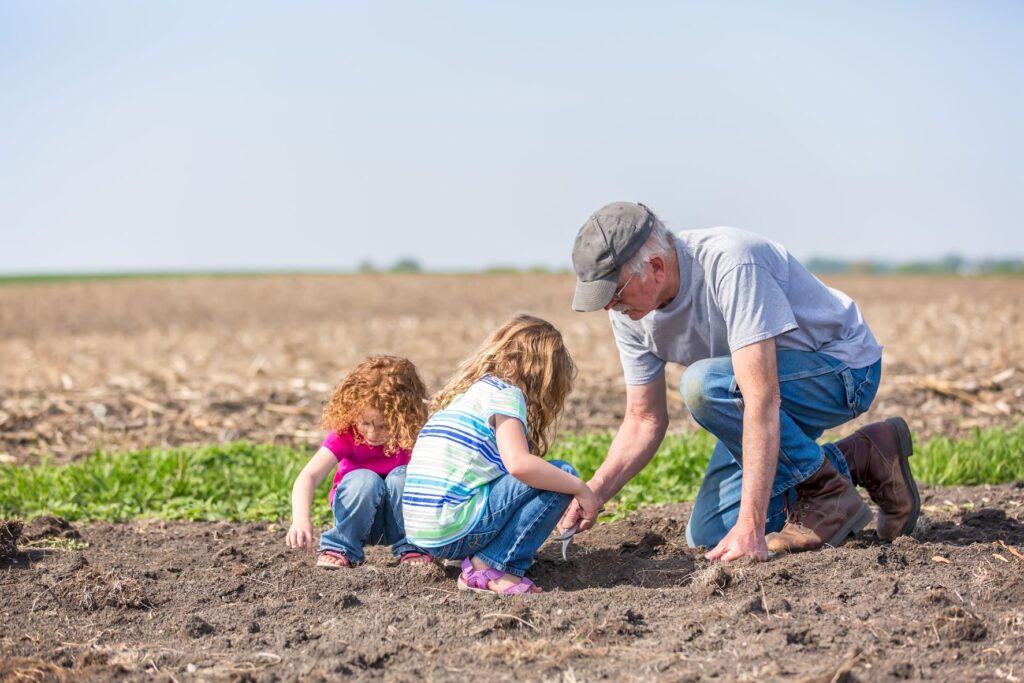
(373, 418)
(477, 487)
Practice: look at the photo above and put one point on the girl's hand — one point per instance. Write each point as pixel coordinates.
(300, 536)
(589, 506)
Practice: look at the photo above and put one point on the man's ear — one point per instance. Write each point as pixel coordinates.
(658, 268)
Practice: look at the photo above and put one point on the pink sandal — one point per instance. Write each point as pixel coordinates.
(407, 558)
(477, 580)
(332, 559)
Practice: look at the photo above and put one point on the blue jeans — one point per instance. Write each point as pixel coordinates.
(516, 522)
(818, 392)
(368, 509)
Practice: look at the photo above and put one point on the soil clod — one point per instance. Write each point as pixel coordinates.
(714, 580)
(646, 547)
(50, 526)
(197, 627)
(31, 669)
(346, 601)
(958, 624)
(10, 533)
(88, 589)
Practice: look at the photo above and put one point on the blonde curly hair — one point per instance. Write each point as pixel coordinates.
(528, 352)
(388, 384)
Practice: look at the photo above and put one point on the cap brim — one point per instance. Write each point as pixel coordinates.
(594, 295)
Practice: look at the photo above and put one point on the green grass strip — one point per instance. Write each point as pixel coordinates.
(240, 482)
(246, 482)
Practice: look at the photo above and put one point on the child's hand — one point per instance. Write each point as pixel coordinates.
(300, 536)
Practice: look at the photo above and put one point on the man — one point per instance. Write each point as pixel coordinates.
(773, 356)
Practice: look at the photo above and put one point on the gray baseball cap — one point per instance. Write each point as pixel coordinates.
(603, 245)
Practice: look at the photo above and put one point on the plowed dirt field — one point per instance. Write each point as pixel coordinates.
(128, 364)
(190, 602)
(125, 364)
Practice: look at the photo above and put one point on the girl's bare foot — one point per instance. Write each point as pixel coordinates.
(332, 559)
(416, 558)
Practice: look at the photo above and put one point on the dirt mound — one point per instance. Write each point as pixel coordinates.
(957, 624)
(30, 670)
(87, 588)
(10, 533)
(50, 526)
(230, 602)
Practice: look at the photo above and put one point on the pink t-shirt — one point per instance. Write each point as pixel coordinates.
(360, 457)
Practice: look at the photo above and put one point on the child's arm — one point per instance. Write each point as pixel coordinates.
(300, 535)
(535, 471)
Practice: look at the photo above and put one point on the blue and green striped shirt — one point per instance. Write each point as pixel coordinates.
(454, 461)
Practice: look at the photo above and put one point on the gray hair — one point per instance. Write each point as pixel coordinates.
(661, 242)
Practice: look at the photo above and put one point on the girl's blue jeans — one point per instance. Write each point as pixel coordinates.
(368, 509)
(818, 392)
(516, 522)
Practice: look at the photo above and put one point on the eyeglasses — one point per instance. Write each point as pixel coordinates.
(617, 296)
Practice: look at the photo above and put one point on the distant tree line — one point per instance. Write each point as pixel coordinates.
(411, 265)
(402, 265)
(948, 265)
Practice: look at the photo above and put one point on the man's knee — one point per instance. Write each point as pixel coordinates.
(695, 387)
(701, 532)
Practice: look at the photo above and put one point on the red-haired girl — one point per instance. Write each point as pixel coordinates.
(374, 417)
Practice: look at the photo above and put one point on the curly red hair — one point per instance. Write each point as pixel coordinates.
(388, 384)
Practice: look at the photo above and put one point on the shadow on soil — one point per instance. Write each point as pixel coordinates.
(985, 525)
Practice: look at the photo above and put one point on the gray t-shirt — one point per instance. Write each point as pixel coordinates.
(735, 289)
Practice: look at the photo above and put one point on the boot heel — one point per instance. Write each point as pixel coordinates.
(853, 525)
(906, 450)
(903, 434)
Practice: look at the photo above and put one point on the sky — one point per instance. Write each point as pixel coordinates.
(142, 136)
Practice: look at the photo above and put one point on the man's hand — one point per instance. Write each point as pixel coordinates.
(577, 514)
(741, 541)
(642, 430)
(571, 517)
(590, 505)
(757, 377)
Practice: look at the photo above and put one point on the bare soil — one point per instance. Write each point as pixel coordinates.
(164, 362)
(186, 601)
(155, 362)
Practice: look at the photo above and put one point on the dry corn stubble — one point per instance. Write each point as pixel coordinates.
(219, 359)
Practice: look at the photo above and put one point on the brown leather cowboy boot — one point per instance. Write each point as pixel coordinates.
(827, 510)
(878, 458)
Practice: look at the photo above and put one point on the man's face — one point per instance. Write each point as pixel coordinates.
(637, 294)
